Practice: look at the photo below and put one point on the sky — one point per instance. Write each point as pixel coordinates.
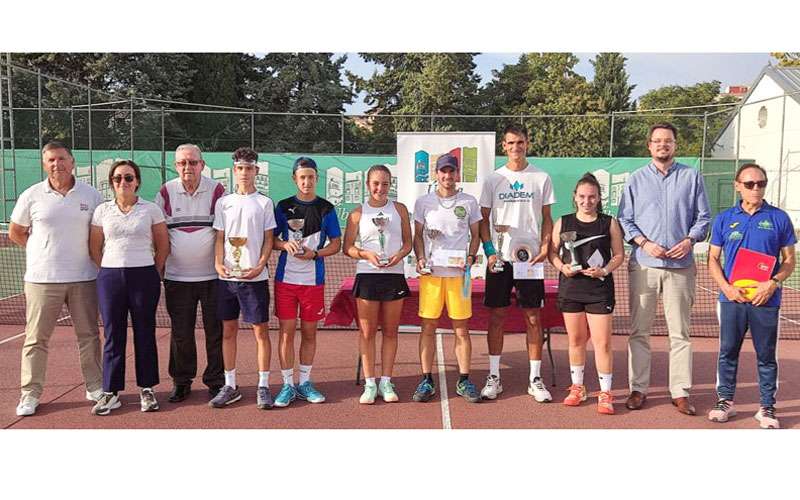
(647, 71)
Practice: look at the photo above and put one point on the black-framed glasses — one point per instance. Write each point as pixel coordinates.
(184, 163)
(117, 179)
(754, 184)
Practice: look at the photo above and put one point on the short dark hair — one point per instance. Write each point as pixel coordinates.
(516, 129)
(665, 125)
(245, 154)
(119, 163)
(51, 145)
(589, 178)
(378, 168)
(749, 165)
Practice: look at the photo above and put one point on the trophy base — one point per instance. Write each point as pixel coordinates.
(299, 253)
(236, 273)
(425, 271)
(576, 267)
(383, 261)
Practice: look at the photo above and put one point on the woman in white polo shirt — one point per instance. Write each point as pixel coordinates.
(380, 287)
(125, 232)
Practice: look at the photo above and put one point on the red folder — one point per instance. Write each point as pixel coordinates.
(752, 265)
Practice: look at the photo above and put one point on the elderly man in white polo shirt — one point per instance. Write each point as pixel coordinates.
(51, 221)
(188, 205)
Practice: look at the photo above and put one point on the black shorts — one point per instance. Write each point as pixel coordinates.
(529, 294)
(380, 287)
(571, 306)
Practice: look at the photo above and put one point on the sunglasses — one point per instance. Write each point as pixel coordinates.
(191, 163)
(753, 184)
(117, 179)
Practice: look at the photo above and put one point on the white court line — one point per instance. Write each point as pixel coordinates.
(442, 383)
(9, 339)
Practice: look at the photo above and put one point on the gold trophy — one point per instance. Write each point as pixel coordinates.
(296, 225)
(501, 231)
(237, 242)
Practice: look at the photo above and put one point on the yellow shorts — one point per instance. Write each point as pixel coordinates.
(436, 291)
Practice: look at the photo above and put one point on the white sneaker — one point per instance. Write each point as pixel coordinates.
(492, 388)
(539, 392)
(766, 418)
(147, 398)
(109, 401)
(27, 406)
(94, 395)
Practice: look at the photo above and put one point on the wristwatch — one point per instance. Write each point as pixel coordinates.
(316, 254)
(777, 282)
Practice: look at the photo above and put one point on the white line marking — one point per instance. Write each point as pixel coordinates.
(442, 383)
(794, 322)
(9, 339)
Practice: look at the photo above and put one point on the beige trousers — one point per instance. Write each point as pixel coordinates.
(677, 289)
(44, 303)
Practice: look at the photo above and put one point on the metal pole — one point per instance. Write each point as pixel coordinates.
(2, 150)
(72, 126)
(11, 124)
(132, 128)
(431, 122)
(252, 130)
(163, 150)
(93, 175)
(611, 138)
(779, 201)
(342, 127)
(738, 134)
(39, 117)
(703, 146)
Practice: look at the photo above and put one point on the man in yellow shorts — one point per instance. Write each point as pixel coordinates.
(445, 243)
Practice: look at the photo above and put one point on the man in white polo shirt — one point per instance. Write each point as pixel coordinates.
(190, 278)
(51, 221)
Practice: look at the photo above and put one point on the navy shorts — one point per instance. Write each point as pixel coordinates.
(529, 293)
(251, 298)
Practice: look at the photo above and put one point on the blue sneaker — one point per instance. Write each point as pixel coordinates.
(310, 393)
(468, 391)
(425, 391)
(287, 395)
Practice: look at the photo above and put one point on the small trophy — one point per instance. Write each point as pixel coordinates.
(237, 242)
(381, 222)
(501, 232)
(432, 234)
(296, 225)
(570, 243)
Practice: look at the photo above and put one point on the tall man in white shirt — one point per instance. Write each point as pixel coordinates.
(51, 221)
(190, 278)
(516, 200)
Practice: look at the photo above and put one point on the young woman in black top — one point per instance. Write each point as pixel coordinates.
(586, 287)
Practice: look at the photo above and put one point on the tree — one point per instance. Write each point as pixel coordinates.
(690, 129)
(611, 86)
(299, 83)
(787, 59)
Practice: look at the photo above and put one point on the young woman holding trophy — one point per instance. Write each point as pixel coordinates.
(586, 247)
(384, 232)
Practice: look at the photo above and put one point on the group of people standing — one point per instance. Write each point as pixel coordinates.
(211, 248)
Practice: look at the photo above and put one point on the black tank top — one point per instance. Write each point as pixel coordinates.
(581, 288)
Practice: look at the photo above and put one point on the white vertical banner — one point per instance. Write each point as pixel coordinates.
(417, 153)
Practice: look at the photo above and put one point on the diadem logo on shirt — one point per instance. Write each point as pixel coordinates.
(517, 186)
(516, 194)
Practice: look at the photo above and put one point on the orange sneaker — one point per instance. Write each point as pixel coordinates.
(577, 395)
(605, 403)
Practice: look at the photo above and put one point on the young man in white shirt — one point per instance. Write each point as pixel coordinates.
(516, 199)
(244, 221)
(51, 221)
(188, 203)
(445, 229)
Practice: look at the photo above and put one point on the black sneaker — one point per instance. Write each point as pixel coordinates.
(180, 393)
(425, 391)
(467, 390)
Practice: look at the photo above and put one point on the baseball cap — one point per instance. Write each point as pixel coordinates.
(304, 162)
(447, 160)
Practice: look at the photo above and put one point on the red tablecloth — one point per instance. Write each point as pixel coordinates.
(343, 308)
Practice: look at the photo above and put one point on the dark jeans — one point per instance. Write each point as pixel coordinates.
(119, 291)
(735, 320)
(182, 298)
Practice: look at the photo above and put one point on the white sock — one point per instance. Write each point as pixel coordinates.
(263, 379)
(385, 379)
(576, 373)
(370, 381)
(536, 368)
(605, 381)
(288, 376)
(494, 365)
(230, 377)
(305, 374)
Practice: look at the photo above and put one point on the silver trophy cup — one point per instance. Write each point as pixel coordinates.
(381, 223)
(296, 234)
(431, 234)
(501, 231)
(570, 241)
